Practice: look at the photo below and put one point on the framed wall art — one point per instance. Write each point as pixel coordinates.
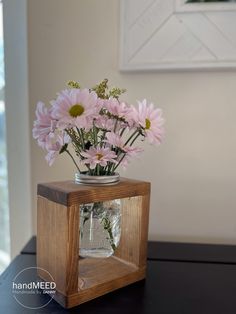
(177, 34)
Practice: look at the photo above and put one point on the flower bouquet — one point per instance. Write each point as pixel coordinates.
(103, 131)
(101, 128)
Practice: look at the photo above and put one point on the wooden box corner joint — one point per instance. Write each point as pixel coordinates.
(80, 280)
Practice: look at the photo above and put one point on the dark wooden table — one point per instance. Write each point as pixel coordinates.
(181, 279)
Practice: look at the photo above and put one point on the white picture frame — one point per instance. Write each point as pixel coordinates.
(173, 35)
(182, 6)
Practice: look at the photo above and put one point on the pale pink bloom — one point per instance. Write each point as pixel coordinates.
(53, 153)
(131, 152)
(75, 108)
(54, 144)
(132, 117)
(44, 125)
(46, 133)
(124, 161)
(105, 123)
(98, 156)
(150, 119)
(100, 103)
(116, 108)
(115, 140)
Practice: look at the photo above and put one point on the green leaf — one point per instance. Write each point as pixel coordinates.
(63, 149)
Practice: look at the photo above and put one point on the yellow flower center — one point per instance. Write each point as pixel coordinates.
(76, 110)
(99, 156)
(148, 124)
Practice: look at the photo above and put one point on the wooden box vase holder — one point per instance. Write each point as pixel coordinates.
(80, 280)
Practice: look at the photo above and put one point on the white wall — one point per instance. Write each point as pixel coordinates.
(193, 173)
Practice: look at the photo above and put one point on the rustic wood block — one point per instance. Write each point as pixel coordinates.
(80, 280)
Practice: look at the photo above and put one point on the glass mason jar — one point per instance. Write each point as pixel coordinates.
(99, 228)
(100, 222)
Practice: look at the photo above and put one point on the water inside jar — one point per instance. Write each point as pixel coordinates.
(100, 228)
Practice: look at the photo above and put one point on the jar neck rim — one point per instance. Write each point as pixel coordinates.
(84, 178)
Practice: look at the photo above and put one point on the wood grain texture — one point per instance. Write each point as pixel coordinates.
(131, 214)
(99, 290)
(144, 220)
(52, 241)
(69, 193)
(105, 287)
(80, 280)
(101, 270)
(72, 255)
(58, 243)
(134, 230)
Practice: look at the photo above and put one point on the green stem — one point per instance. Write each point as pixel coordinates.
(98, 170)
(95, 135)
(125, 153)
(109, 168)
(122, 132)
(103, 138)
(73, 139)
(134, 139)
(131, 137)
(119, 162)
(115, 126)
(81, 135)
(73, 160)
(105, 169)
(107, 226)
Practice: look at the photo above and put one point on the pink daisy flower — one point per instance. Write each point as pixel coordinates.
(104, 123)
(75, 108)
(115, 140)
(131, 152)
(116, 108)
(98, 156)
(150, 119)
(44, 125)
(53, 153)
(54, 144)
